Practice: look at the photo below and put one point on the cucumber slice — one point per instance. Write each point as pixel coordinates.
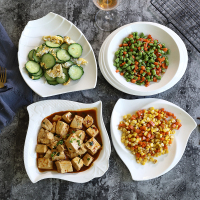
(36, 58)
(32, 67)
(48, 60)
(75, 50)
(60, 36)
(39, 48)
(65, 71)
(49, 78)
(68, 64)
(55, 50)
(64, 46)
(62, 80)
(60, 61)
(52, 82)
(51, 44)
(35, 77)
(63, 55)
(38, 73)
(30, 54)
(75, 72)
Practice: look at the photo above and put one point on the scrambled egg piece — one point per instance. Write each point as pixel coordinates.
(55, 39)
(43, 51)
(66, 65)
(56, 71)
(68, 40)
(80, 61)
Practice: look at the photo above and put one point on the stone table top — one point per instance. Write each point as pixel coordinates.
(182, 182)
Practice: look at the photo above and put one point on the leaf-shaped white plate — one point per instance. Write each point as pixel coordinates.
(53, 24)
(37, 112)
(165, 162)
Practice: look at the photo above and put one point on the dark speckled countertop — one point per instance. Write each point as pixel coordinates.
(182, 182)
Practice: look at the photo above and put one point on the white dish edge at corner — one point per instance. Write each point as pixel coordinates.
(165, 162)
(40, 110)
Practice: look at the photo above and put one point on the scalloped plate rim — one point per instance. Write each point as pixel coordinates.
(99, 168)
(93, 85)
(117, 147)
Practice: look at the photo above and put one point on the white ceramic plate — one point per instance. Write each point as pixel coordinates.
(40, 110)
(106, 71)
(165, 162)
(53, 24)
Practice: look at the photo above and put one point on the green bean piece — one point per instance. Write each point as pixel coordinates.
(137, 37)
(153, 72)
(168, 51)
(143, 74)
(117, 60)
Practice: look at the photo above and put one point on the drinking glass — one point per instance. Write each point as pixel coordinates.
(106, 18)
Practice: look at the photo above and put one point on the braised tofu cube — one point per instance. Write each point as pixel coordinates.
(88, 121)
(67, 117)
(82, 149)
(92, 145)
(73, 154)
(57, 155)
(77, 163)
(45, 163)
(77, 122)
(73, 143)
(60, 148)
(41, 148)
(47, 138)
(62, 129)
(80, 134)
(57, 118)
(48, 154)
(64, 166)
(46, 124)
(53, 145)
(92, 131)
(87, 159)
(40, 135)
(53, 130)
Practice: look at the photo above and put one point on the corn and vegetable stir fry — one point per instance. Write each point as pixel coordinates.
(148, 133)
(141, 59)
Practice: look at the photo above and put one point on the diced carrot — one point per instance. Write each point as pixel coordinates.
(160, 45)
(162, 138)
(121, 73)
(117, 70)
(154, 79)
(120, 45)
(131, 127)
(133, 56)
(143, 128)
(136, 67)
(139, 48)
(137, 155)
(131, 50)
(142, 67)
(136, 63)
(132, 148)
(149, 73)
(122, 125)
(137, 130)
(124, 52)
(130, 36)
(133, 117)
(138, 78)
(141, 71)
(125, 45)
(156, 63)
(166, 147)
(164, 49)
(145, 49)
(152, 136)
(149, 135)
(151, 123)
(173, 125)
(133, 80)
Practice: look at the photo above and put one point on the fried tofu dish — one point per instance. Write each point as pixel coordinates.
(68, 141)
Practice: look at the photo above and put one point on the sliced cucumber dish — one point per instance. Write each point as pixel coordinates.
(57, 59)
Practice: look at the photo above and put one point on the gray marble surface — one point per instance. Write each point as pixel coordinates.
(182, 182)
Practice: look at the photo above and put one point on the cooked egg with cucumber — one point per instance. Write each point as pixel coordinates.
(57, 59)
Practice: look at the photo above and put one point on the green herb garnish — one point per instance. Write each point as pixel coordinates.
(72, 140)
(88, 158)
(79, 161)
(91, 143)
(60, 142)
(43, 122)
(78, 142)
(68, 135)
(54, 147)
(73, 131)
(53, 154)
(58, 154)
(80, 136)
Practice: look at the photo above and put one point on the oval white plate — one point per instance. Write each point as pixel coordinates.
(110, 76)
(40, 110)
(53, 24)
(165, 162)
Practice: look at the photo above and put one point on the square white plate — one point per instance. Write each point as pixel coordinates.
(165, 162)
(53, 24)
(37, 112)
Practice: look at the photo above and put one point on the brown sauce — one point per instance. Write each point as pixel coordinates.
(83, 113)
